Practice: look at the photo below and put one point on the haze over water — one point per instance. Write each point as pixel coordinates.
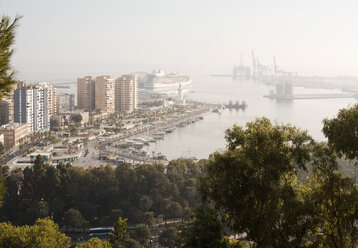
(206, 136)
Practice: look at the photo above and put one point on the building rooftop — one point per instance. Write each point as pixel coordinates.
(11, 126)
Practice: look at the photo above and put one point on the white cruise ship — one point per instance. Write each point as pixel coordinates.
(166, 83)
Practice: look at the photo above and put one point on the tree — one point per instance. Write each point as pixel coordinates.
(7, 39)
(55, 122)
(76, 118)
(173, 210)
(342, 132)
(45, 233)
(131, 243)
(2, 188)
(2, 148)
(140, 234)
(94, 243)
(39, 160)
(120, 234)
(335, 198)
(74, 218)
(149, 218)
(204, 230)
(253, 183)
(169, 236)
(73, 129)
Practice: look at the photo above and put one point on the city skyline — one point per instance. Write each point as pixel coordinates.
(59, 41)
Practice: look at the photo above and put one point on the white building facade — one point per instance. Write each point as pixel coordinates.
(32, 106)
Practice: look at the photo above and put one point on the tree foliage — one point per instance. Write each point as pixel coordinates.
(120, 234)
(342, 131)
(2, 187)
(44, 234)
(254, 184)
(335, 199)
(100, 195)
(76, 118)
(74, 218)
(169, 237)
(7, 39)
(94, 243)
(204, 229)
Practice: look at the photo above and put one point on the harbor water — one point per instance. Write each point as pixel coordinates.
(204, 137)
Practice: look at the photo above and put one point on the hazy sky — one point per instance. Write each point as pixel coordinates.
(60, 40)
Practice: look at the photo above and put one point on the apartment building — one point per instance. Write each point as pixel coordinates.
(65, 103)
(52, 99)
(32, 104)
(86, 87)
(6, 111)
(126, 93)
(104, 96)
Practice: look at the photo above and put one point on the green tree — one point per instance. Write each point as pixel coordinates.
(335, 199)
(342, 131)
(7, 39)
(169, 236)
(2, 189)
(55, 122)
(204, 230)
(94, 243)
(74, 218)
(44, 234)
(233, 243)
(2, 148)
(39, 160)
(131, 243)
(140, 234)
(253, 183)
(120, 234)
(173, 210)
(76, 118)
(149, 218)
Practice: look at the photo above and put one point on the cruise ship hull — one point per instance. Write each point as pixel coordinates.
(167, 83)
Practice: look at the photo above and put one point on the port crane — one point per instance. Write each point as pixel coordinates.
(278, 72)
(241, 70)
(259, 70)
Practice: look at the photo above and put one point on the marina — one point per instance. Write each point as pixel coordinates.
(131, 147)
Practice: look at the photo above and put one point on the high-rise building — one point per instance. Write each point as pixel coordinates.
(23, 106)
(86, 95)
(32, 106)
(126, 93)
(105, 94)
(52, 97)
(6, 111)
(65, 103)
